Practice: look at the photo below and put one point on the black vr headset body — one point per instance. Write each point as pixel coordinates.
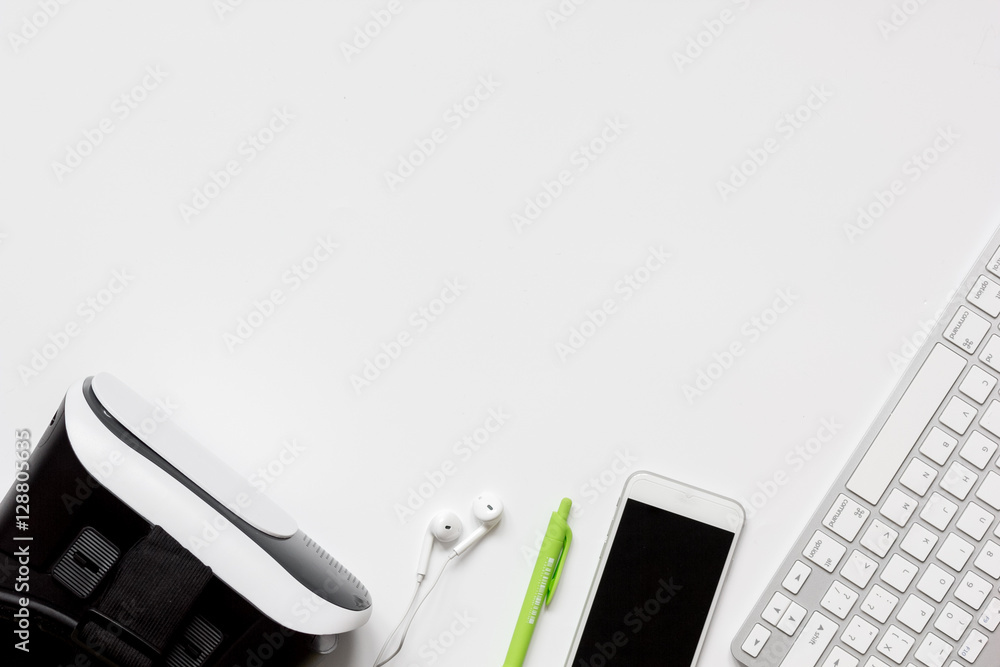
(133, 545)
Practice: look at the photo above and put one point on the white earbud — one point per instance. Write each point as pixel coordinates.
(445, 527)
(488, 509)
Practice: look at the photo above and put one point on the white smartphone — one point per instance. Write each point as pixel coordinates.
(659, 576)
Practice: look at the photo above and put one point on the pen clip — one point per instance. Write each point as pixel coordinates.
(554, 581)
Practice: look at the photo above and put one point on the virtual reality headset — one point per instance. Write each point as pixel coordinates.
(126, 541)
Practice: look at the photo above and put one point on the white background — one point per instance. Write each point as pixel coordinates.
(858, 299)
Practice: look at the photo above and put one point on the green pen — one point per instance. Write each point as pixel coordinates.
(544, 579)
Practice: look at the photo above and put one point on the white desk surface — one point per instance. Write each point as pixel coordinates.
(887, 81)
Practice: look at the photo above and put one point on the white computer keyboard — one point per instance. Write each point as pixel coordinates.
(900, 563)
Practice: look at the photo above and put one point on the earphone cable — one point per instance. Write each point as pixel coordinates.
(408, 617)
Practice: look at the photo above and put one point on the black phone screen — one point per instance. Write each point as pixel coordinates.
(656, 590)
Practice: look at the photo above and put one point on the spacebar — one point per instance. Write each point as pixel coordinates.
(915, 408)
(809, 647)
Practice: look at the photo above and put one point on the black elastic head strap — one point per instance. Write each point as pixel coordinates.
(147, 602)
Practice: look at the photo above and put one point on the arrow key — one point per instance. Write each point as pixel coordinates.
(775, 609)
(840, 658)
(756, 640)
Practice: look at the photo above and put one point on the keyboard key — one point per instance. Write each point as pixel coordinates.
(955, 552)
(959, 480)
(859, 569)
(973, 646)
(938, 511)
(875, 662)
(989, 490)
(816, 635)
(918, 542)
(985, 295)
(938, 446)
(840, 658)
(899, 573)
(993, 266)
(978, 384)
(935, 583)
(933, 651)
(895, 644)
(988, 559)
(755, 640)
(859, 634)
(879, 604)
(839, 599)
(991, 418)
(879, 538)
(918, 477)
(973, 590)
(912, 412)
(991, 617)
(966, 329)
(975, 521)
(915, 614)
(989, 355)
(953, 621)
(846, 517)
(775, 609)
(824, 551)
(898, 508)
(978, 450)
(957, 415)
(792, 619)
(796, 577)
